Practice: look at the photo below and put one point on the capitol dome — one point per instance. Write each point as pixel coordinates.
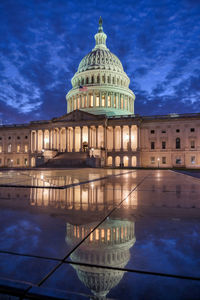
(100, 85)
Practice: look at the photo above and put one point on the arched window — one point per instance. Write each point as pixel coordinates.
(87, 80)
(113, 80)
(178, 143)
(82, 81)
(92, 79)
(9, 148)
(98, 79)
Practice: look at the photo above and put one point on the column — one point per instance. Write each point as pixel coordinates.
(88, 100)
(138, 138)
(112, 100)
(49, 138)
(56, 144)
(81, 138)
(105, 137)
(36, 141)
(42, 138)
(94, 99)
(59, 135)
(113, 138)
(73, 150)
(53, 146)
(97, 127)
(121, 138)
(66, 139)
(100, 100)
(88, 137)
(129, 146)
(106, 99)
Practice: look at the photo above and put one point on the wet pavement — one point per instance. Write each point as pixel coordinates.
(99, 234)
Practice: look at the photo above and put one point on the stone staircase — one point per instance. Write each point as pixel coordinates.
(68, 159)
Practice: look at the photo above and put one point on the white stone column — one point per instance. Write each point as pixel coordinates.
(49, 138)
(129, 127)
(81, 138)
(121, 138)
(36, 141)
(53, 137)
(73, 150)
(113, 138)
(88, 136)
(97, 127)
(106, 99)
(59, 139)
(66, 139)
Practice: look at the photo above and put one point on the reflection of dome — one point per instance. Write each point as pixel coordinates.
(108, 245)
(99, 281)
(100, 85)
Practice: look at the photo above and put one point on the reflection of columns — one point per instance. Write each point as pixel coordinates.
(73, 139)
(97, 136)
(66, 139)
(113, 138)
(88, 136)
(81, 138)
(42, 138)
(129, 147)
(121, 137)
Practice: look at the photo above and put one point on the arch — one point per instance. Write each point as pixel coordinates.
(117, 161)
(92, 79)
(109, 161)
(125, 161)
(133, 161)
(178, 143)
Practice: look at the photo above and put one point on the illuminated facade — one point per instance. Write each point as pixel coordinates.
(101, 128)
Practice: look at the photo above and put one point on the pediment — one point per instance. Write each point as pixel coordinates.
(78, 115)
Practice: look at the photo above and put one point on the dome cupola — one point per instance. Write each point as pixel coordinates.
(100, 85)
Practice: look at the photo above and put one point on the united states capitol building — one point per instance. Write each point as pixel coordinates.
(101, 128)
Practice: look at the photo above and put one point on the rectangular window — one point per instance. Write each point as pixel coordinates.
(9, 148)
(109, 101)
(163, 160)
(178, 161)
(152, 131)
(152, 160)
(0, 149)
(163, 145)
(192, 159)
(192, 144)
(18, 161)
(114, 101)
(192, 129)
(103, 100)
(26, 148)
(152, 145)
(25, 161)
(97, 100)
(18, 148)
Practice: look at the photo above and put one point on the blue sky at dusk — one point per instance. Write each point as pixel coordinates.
(43, 41)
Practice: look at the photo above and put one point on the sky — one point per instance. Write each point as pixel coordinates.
(43, 41)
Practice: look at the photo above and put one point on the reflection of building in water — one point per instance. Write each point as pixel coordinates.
(108, 245)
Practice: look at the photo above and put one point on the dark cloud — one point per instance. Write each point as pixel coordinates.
(43, 42)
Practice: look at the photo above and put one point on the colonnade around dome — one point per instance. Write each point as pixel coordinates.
(113, 102)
